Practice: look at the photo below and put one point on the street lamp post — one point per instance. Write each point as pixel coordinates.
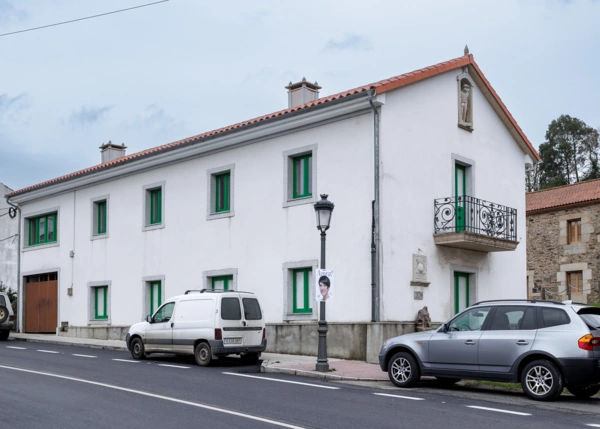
(323, 210)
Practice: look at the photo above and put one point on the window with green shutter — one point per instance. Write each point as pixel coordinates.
(100, 217)
(222, 191)
(301, 288)
(155, 295)
(42, 229)
(302, 176)
(100, 302)
(155, 206)
(222, 282)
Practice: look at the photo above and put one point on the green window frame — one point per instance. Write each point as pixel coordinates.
(302, 176)
(155, 206)
(155, 295)
(101, 302)
(457, 295)
(301, 289)
(101, 217)
(222, 192)
(227, 281)
(43, 229)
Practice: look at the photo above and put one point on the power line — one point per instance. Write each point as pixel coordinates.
(81, 19)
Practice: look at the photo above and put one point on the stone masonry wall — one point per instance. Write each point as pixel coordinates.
(549, 257)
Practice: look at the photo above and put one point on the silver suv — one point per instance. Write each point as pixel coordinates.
(544, 345)
(7, 318)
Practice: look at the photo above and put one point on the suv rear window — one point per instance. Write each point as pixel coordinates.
(251, 309)
(591, 316)
(230, 309)
(554, 317)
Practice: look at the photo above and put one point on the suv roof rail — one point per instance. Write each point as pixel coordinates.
(521, 300)
(187, 292)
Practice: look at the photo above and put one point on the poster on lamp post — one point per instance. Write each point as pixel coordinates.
(325, 289)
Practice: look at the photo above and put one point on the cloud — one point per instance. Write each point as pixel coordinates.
(350, 42)
(10, 107)
(154, 118)
(9, 13)
(85, 116)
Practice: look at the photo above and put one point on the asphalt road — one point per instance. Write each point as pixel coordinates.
(51, 386)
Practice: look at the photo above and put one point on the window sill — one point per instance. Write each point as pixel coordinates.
(40, 246)
(153, 227)
(220, 215)
(291, 317)
(300, 201)
(99, 322)
(99, 236)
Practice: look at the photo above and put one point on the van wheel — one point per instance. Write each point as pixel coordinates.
(203, 354)
(137, 349)
(542, 381)
(3, 314)
(584, 391)
(404, 370)
(250, 357)
(4, 335)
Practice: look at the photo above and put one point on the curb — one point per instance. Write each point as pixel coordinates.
(312, 374)
(68, 343)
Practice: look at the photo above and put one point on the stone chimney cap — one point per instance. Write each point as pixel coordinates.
(110, 144)
(303, 82)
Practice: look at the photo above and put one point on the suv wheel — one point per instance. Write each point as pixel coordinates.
(542, 381)
(403, 370)
(3, 314)
(584, 391)
(203, 354)
(4, 334)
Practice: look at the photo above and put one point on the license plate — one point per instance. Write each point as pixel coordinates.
(232, 341)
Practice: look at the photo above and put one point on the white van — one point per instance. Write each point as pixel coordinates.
(203, 323)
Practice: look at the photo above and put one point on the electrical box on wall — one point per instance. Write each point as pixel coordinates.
(70, 291)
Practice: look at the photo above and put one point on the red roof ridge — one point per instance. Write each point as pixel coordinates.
(380, 87)
(563, 186)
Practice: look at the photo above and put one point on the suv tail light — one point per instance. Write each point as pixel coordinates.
(588, 342)
(264, 333)
(218, 334)
(12, 318)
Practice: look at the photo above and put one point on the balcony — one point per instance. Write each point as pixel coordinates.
(470, 223)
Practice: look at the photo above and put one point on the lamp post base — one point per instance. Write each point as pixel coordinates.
(322, 367)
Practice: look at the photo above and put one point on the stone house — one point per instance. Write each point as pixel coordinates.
(411, 163)
(563, 242)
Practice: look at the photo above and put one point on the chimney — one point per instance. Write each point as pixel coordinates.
(302, 92)
(112, 151)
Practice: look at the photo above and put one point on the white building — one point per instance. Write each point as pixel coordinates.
(233, 208)
(9, 243)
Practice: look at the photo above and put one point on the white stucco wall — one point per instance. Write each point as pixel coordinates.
(8, 246)
(419, 136)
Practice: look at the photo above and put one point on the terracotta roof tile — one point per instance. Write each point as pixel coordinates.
(560, 197)
(380, 87)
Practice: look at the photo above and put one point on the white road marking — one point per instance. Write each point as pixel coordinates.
(48, 351)
(498, 410)
(128, 361)
(152, 395)
(87, 356)
(281, 381)
(18, 348)
(398, 396)
(593, 425)
(174, 366)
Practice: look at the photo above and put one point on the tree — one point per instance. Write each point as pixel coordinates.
(532, 178)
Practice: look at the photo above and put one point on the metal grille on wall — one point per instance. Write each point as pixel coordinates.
(469, 214)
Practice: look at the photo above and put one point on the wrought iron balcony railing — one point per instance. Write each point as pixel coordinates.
(468, 214)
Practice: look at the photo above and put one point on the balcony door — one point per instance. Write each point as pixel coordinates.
(460, 186)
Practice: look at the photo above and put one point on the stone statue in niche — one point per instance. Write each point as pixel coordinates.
(423, 319)
(465, 102)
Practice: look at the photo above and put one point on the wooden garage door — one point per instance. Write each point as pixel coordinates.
(41, 304)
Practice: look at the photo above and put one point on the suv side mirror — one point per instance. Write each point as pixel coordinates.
(149, 318)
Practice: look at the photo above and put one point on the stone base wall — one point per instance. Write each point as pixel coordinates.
(96, 332)
(354, 341)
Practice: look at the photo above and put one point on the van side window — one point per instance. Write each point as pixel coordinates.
(251, 309)
(554, 317)
(164, 313)
(230, 309)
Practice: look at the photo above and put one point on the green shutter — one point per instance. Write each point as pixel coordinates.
(301, 290)
(227, 281)
(101, 302)
(101, 217)
(302, 176)
(461, 291)
(222, 191)
(155, 206)
(42, 229)
(155, 296)
(459, 194)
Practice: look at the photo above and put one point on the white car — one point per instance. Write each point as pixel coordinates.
(204, 323)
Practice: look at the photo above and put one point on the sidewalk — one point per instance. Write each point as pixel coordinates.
(339, 369)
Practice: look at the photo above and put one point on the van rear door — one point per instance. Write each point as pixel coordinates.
(231, 320)
(254, 321)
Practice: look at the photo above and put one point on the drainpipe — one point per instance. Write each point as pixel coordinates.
(375, 259)
(19, 279)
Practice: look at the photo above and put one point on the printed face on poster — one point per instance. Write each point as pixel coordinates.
(325, 289)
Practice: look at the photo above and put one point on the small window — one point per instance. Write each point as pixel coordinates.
(100, 302)
(251, 309)
(155, 206)
(575, 282)
(165, 313)
(230, 309)
(222, 282)
(301, 287)
(42, 229)
(222, 192)
(554, 317)
(155, 295)
(100, 217)
(574, 231)
(302, 176)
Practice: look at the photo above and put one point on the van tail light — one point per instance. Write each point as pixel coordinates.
(264, 333)
(218, 334)
(588, 342)
(12, 318)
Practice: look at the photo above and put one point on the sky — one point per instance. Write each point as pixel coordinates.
(157, 74)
